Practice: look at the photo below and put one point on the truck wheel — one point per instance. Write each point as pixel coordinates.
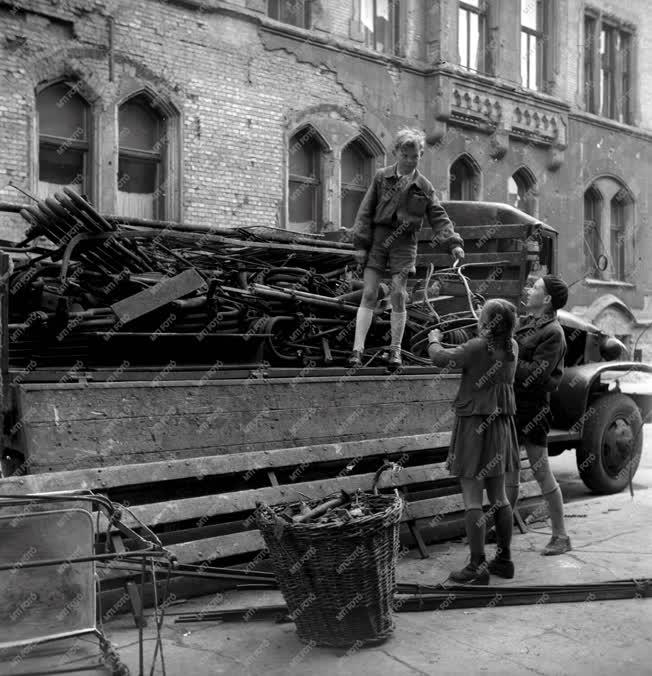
(612, 442)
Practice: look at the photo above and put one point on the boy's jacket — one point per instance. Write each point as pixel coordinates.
(542, 348)
(404, 210)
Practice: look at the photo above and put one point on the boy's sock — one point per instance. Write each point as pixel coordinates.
(398, 320)
(362, 323)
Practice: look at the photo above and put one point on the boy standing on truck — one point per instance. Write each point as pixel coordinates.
(542, 348)
(385, 235)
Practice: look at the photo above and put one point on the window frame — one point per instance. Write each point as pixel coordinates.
(619, 232)
(158, 157)
(483, 37)
(538, 34)
(307, 13)
(55, 142)
(317, 181)
(362, 188)
(395, 21)
(526, 190)
(470, 189)
(618, 101)
(593, 245)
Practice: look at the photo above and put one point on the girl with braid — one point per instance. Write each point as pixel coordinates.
(484, 442)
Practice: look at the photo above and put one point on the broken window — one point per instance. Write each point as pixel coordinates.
(608, 229)
(304, 196)
(472, 35)
(63, 128)
(294, 12)
(592, 226)
(617, 232)
(356, 178)
(380, 22)
(608, 68)
(141, 180)
(521, 190)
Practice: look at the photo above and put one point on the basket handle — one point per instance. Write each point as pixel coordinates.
(387, 465)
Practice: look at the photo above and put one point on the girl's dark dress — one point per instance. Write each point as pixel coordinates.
(484, 441)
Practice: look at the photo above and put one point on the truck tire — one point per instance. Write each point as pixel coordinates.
(612, 442)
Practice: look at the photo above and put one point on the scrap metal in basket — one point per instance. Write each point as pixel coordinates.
(103, 290)
(335, 563)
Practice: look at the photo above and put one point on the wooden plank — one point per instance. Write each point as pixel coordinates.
(507, 258)
(251, 541)
(98, 441)
(206, 506)
(80, 461)
(157, 296)
(218, 547)
(105, 401)
(205, 466)
(486, 232)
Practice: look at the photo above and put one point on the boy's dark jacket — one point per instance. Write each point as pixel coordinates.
(542, 348)
(382, 201)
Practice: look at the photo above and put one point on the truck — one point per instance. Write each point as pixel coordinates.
(192, 445)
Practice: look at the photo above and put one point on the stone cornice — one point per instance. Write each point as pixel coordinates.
(610, 125)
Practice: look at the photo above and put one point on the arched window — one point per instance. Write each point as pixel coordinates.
(64, 132)
(592, 227)
(464, 179)
(609, 208)
(305, 186)
(142, 143)
(521, 189)
(357, 169)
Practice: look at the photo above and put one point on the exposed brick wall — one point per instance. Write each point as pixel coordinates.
(236, 85)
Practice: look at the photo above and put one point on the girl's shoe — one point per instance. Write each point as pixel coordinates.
(471, 574)
(502, 568)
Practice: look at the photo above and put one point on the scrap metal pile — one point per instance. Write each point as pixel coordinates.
(104, 291)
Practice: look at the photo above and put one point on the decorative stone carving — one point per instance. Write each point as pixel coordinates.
(536, 125)
(556, 157)
(472, 106)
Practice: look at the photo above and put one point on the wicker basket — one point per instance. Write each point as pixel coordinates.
(337, 579)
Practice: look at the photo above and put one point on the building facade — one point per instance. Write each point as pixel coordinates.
(277, 112)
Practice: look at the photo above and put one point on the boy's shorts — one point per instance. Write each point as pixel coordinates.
(399, 253)
(533, 421)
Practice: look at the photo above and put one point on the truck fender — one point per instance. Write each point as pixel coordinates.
(569, 403)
